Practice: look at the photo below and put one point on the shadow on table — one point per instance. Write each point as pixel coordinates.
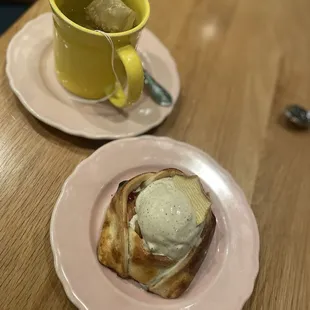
(10, 12)
(56, 136)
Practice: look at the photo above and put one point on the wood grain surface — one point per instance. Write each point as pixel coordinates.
(241, 62)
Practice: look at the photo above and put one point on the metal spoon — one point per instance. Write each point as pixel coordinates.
(298, 115)
(158, 93)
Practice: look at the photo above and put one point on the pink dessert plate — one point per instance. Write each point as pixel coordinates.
(31, 74)
(226, 278)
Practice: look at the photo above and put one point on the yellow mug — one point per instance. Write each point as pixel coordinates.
(83, 57)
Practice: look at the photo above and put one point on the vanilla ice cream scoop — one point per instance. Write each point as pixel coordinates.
(167, 219)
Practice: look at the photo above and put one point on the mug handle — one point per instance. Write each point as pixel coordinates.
(135, 78)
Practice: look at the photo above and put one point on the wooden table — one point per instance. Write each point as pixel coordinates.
(241, 62)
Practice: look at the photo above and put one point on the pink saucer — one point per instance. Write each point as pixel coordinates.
(226, 278)
(31, 72)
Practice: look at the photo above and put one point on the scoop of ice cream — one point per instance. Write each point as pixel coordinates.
(167, 219)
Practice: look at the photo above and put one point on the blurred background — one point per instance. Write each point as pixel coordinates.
(10, 10)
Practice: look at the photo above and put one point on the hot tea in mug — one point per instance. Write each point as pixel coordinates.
(94, 46)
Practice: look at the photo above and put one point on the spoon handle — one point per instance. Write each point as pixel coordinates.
(158, 93)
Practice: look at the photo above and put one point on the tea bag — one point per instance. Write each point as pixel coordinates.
(110, 15)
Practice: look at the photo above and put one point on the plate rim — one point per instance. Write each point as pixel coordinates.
(63, 127)
(247, 292)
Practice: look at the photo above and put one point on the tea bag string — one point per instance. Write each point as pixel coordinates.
(118, 85)
(106, 35)
(96, 101)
